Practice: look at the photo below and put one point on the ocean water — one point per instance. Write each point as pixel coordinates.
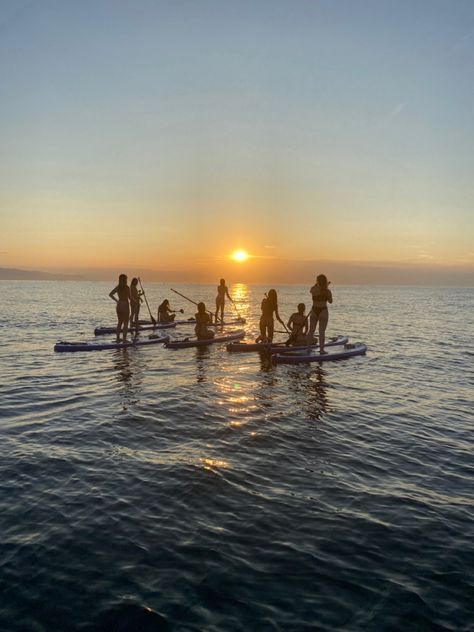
(151, 489)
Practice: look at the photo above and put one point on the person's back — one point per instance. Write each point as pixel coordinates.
(322, 295)
(203, 319)
(164, 315)
(298, 325)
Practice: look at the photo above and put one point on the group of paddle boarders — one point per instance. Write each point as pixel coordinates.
(128, 301)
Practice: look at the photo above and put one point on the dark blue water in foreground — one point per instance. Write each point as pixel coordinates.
(225, 494)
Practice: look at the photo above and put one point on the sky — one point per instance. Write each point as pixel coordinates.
(318, 135)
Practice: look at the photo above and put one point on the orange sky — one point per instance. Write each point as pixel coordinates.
(168, 142)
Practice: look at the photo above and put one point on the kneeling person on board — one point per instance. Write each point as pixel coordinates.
(165, 313)
(298, 326)
(203, 319)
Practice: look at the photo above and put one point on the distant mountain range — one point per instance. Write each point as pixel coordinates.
(12, 274)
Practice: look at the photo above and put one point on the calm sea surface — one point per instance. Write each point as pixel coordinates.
(225, 494)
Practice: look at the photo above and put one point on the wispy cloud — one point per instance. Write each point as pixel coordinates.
(395, 111)
(461, 43)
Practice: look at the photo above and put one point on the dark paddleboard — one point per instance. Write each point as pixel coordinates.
(349, 350)
(280, 347)
(194, 342)
(101, 331)
(100, 346)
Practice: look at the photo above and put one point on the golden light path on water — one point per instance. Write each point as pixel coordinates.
(235, 395)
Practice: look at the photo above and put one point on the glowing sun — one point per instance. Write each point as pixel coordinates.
(239, 255)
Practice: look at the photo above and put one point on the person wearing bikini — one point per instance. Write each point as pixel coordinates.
(319, 312)
(123, 305)
(269, 307)
(203, 319)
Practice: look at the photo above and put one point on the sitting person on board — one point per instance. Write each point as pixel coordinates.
(135, 300)
(203, 319)
(269, 307)
(222, 292)
(298, 326)
(319, 312)
(123, 305)
(166, 314)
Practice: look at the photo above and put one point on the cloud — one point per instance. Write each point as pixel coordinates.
(394, 112)
(461, 43)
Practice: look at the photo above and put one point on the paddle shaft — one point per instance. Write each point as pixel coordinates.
(236, 310)
(146, 301)
(188, 299)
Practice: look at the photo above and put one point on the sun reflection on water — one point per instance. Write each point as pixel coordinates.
(210, 464)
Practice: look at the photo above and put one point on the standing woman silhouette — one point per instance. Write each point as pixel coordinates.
(222, 292)
(319, 313)
(123, 305)
(267, 324)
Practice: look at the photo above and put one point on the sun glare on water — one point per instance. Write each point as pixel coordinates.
(239, 255)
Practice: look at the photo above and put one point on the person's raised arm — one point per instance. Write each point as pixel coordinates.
(329, 296)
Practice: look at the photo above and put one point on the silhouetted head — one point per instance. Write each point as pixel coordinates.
(134, 281)
(165, 303)
(272, 297)
(201, 308)
(222, 281)
(122, 280)
(322, 281)
(301, 308)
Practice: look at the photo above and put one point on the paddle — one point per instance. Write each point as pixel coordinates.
(236, 310)
(191, 301)
(153, 320)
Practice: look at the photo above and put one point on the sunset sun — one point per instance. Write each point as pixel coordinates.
(239, 255)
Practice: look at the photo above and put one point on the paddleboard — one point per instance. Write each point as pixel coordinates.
(349, 350)
(192, 321)
(194, 342)
(101, 331)
(100, 346)
(280, 347)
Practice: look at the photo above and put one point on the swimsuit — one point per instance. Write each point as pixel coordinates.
(320, 302)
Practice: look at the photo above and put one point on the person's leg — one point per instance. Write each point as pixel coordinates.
(270, 329)
(263, 330)
(133, 318)
(119, 323)
(125, 326)
(313, 321)
(219, 308)
(323, 323)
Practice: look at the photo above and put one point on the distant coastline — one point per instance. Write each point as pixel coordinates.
(274, 272)
(14, 274)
